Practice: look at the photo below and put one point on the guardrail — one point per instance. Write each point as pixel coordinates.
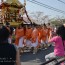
(48, 61)
(60, 62)
(54, 59)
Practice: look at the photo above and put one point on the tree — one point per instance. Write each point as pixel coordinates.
(39, 17)
(58, 22)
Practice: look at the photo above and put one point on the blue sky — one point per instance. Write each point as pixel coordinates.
(54, 3)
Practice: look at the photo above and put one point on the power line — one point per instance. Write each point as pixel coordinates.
(61, 1)
(49, 6)
(46, 6)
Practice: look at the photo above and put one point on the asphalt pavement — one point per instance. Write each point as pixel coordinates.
(28, 58)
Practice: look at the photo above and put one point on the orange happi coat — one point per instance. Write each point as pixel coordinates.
(40, 32)
(28, 33)
(49, 32)
(44, 34)
(34, 35)
(19, 34)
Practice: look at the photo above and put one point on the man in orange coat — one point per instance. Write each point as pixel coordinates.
(44, 37)
(19, 37)
(28, 34)
(41, 36)
(49, 31)
(40, 32)
(34, 40)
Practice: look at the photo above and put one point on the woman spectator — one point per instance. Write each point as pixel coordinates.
(59, 43)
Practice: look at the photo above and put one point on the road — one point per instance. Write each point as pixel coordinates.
(27, 58)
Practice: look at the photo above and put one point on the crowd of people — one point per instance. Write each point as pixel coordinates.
(31, 36)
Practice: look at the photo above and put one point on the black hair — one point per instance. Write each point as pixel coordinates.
(44, 24)
(7, 23)
(61, 31)
(48, 23)
(4, 34)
